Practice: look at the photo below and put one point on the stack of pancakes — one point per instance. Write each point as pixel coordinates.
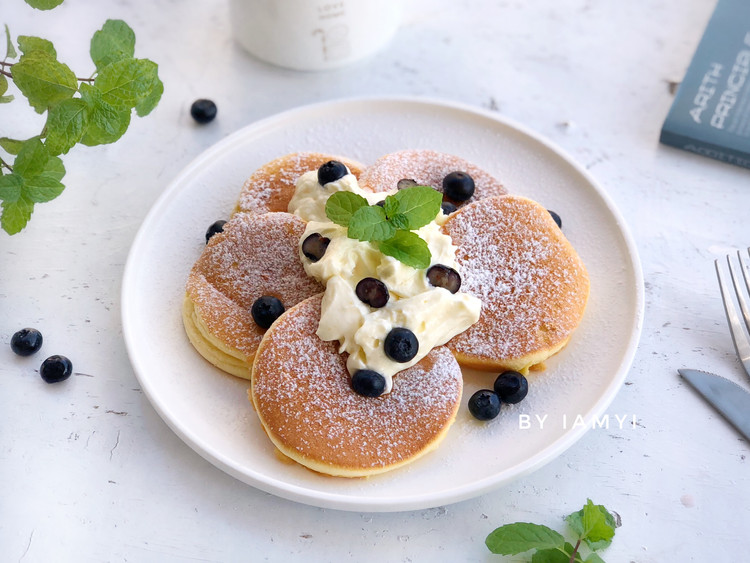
(511, 255)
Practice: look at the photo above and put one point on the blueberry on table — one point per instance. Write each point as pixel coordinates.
(314, 246)
(26, 341)
(55, 369)
(484, 404)
(556, 218)
(214, 228)
(368, 383)
(373, 292)
(266, 310)
(458, 186)
(445, 277)
(331, 171)
(203, 110)
(512, 387)
(401, 345)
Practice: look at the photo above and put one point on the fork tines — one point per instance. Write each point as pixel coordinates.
(741, 292)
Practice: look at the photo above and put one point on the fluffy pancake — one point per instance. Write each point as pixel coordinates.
(302, 394)
(427, 168)
(272, 186)
(255, 255)
(532, 283)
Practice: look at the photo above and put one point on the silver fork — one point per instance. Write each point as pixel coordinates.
(740, 330)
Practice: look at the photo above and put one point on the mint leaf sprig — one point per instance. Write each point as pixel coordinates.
(391, 225)
(91, 111)
(593, 525)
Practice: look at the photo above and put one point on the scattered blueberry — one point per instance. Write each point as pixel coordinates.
(315, 246)
(511, 387)
(458, 186)
(368, 383)
(26, 341)
(556, 218)
(266, 310)
(203, 110)
(444, 276)
(401, 345)
(373, 292)
(448, 207)
(331, 171)
(484, 404)
(406, 183)
(215, 227)
(55, 369)
(381, 203)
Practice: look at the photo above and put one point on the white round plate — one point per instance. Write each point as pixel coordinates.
(210, 411)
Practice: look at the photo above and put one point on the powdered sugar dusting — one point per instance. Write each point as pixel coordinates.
(532, 284)
(428, 168)
(255, 255)
(303, 394)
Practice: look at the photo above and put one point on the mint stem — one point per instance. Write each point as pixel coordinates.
(6, 73)
(575, 551)
(5, 164)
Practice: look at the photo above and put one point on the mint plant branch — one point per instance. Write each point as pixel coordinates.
(88, 111)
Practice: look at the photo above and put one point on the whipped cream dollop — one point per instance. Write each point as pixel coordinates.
(433, 314)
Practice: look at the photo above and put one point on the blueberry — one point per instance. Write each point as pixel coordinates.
(315, 246)
(401, 345)
(484, 404)
(406, 183)
(215, 227)
(373, 292)
(331, 171)
(556, 218)
(458, 186)
(448, 208)
(368, 383)
(511, 387)
(444, 276)
(55, 369)
(203, 110)
(266, 310)
(26, 341)
(381, 203)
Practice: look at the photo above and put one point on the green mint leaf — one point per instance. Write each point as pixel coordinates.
(113, 42)
(44, 4)
(594, 524)
(46, 185)
(370, 223)
(128, 83)
(11, 146)
(27, 44)
(593, 558)
(420, 204)
(340, 207)
(15, 215)
(10, 187)
(391, 206)
(66, 122)
(147, 103)
(105, 123)
(6, 99)
(43, 80)
(407, 247)
(32, 158)
(10, 50)
(556, 555)
(516, 538)
(3, 84)
(400, 221)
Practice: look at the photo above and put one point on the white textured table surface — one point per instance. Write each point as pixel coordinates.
(88, 470)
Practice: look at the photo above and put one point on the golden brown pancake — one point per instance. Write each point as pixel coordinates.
(256, 255)
(302, 393)
(427, 168)
(272, 186)
(532, 283)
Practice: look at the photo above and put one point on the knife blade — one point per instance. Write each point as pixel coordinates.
(728, 398)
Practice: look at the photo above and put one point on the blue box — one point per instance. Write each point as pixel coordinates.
(710, 114)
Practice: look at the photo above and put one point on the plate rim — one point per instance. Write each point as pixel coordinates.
(351, 502)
